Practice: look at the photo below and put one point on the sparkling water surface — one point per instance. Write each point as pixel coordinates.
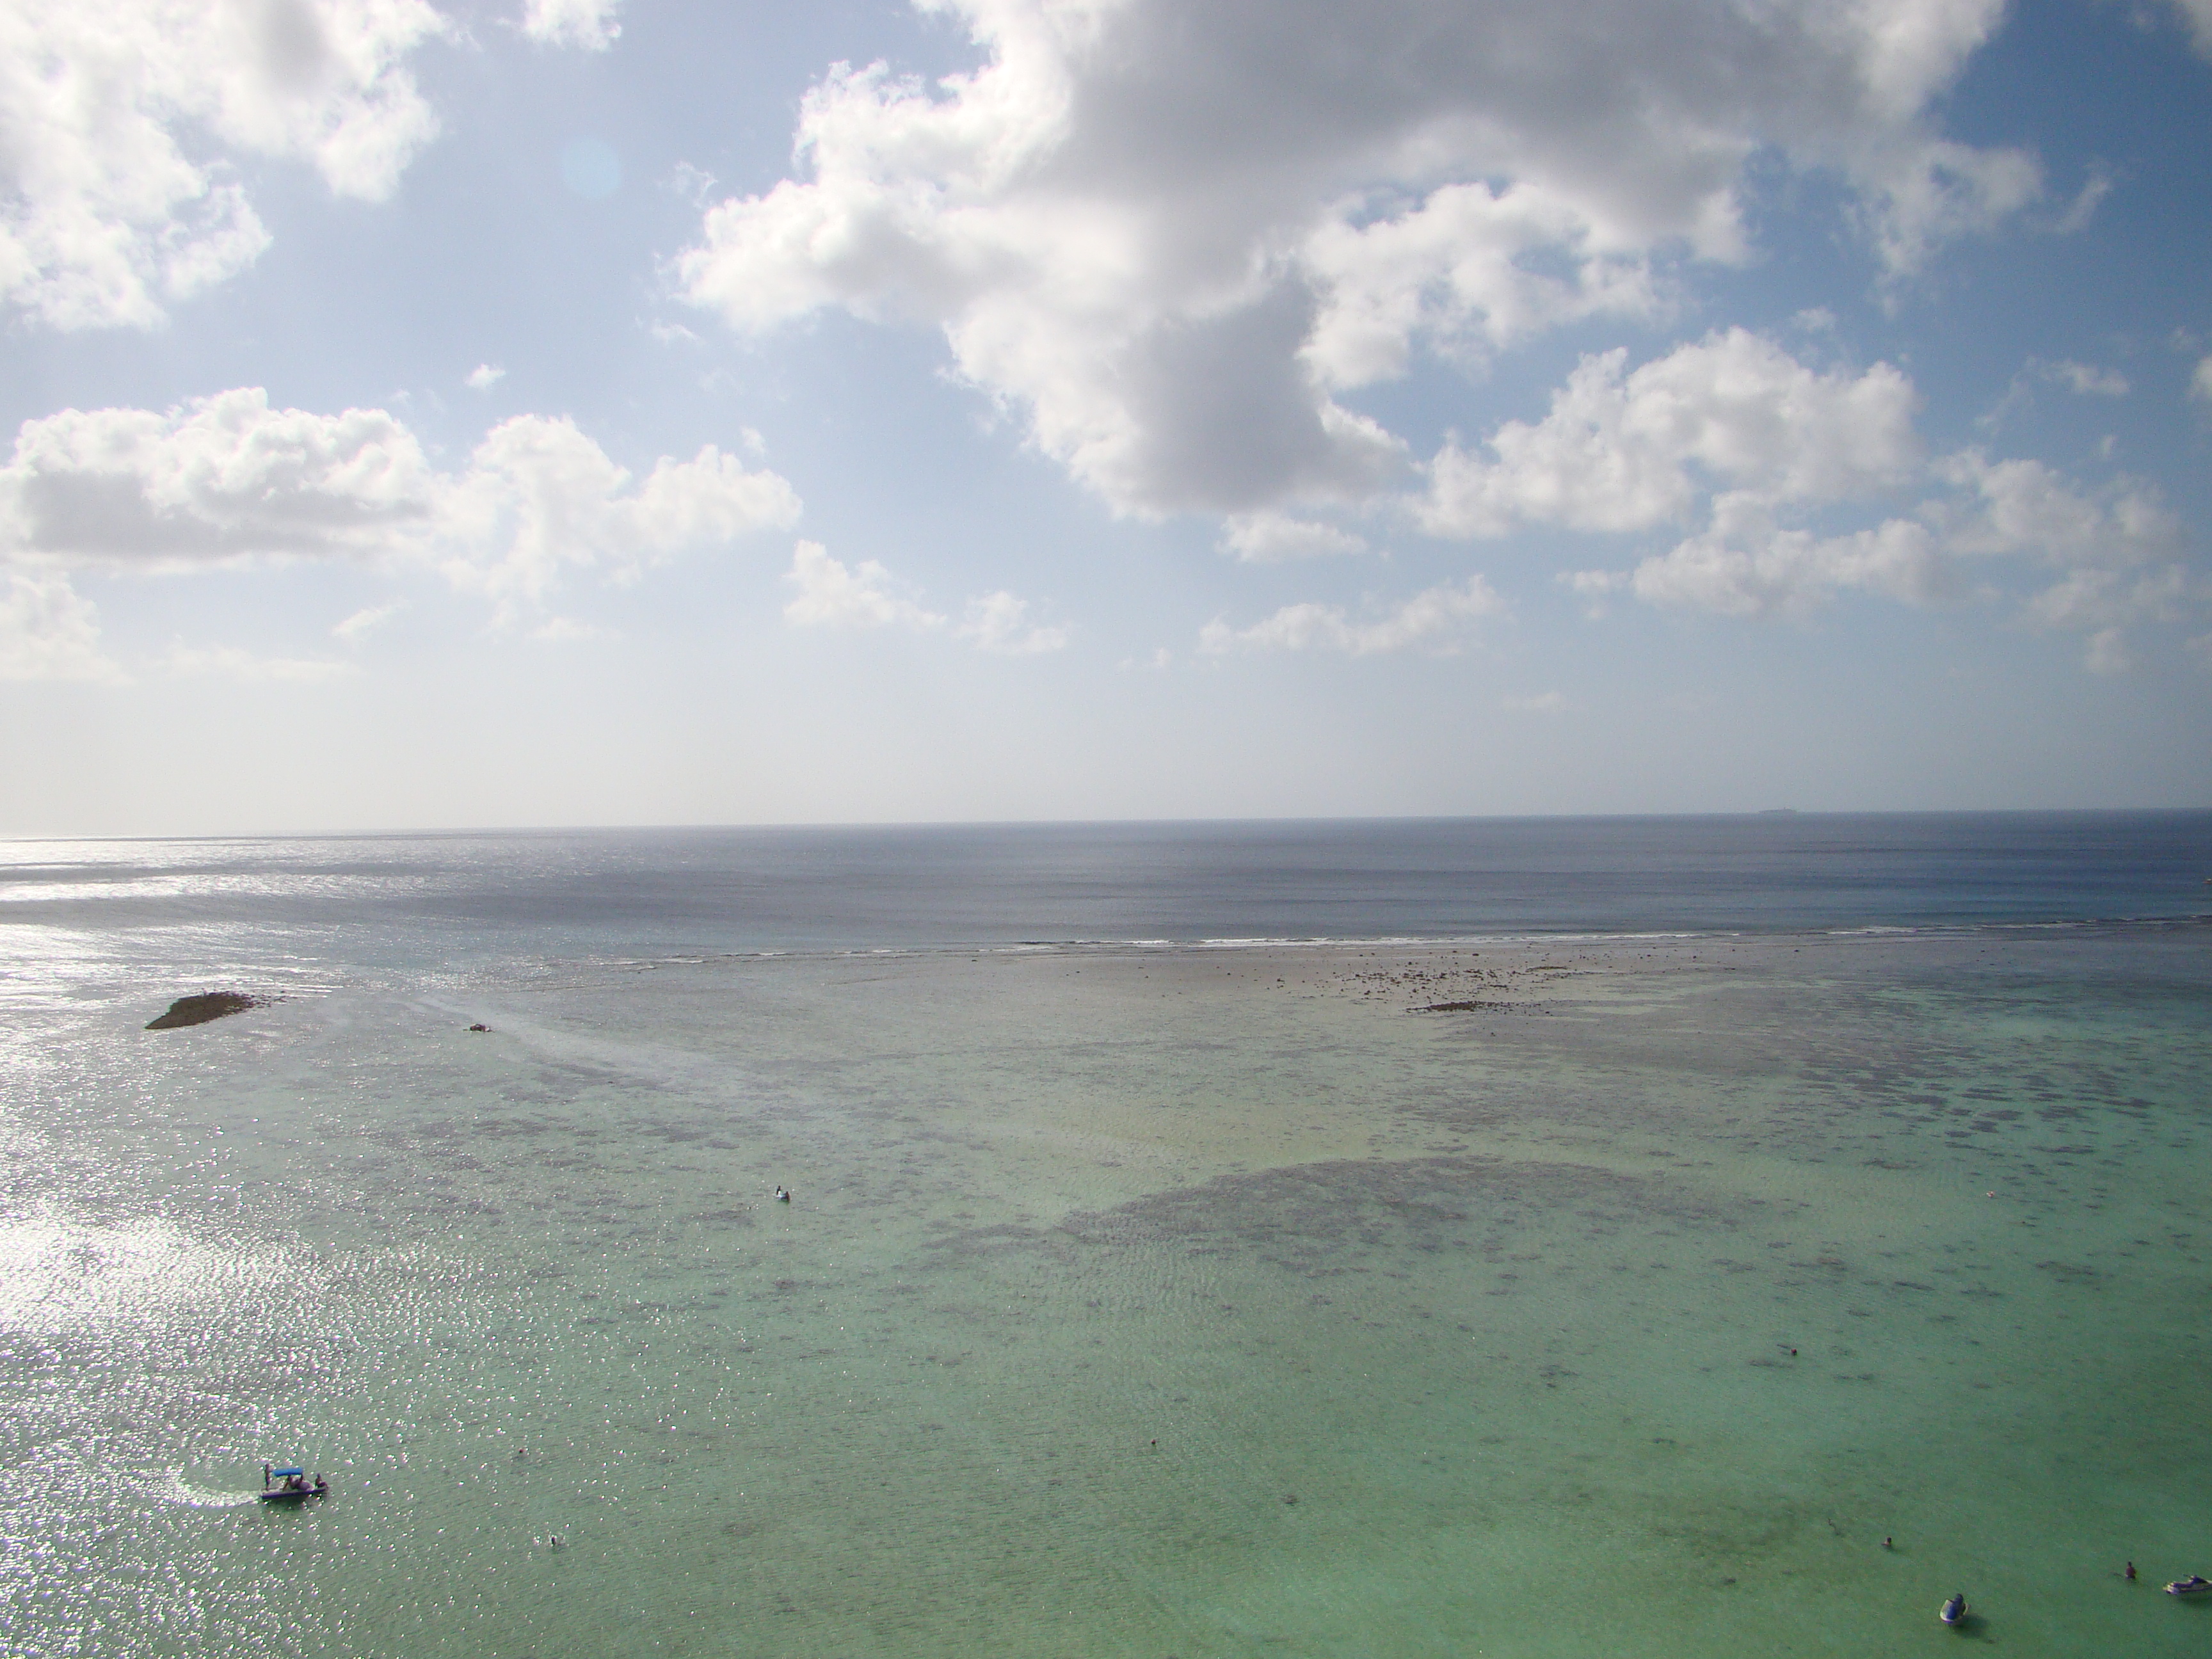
(1609, 1272)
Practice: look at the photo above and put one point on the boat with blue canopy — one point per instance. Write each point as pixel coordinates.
(290, 1486)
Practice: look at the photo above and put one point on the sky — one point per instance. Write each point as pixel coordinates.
(566, 412)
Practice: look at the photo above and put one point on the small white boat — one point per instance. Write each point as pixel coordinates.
(2196, 1584)
(1954, 1610)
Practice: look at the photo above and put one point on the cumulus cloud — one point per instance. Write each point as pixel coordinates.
(1171, 250)
(50, 632)
(1757, 456)
(1272, 538)
(2026, 507)
(829, 594)
(117, 119)
(1622, 450)
(586, 24)
(1935, 193)
(1746, 565)
(2107, 601)
(484, 376)
(1000, 623)
(1437, 620)
(1468, 267)
(219, 477)
(2114, 553)
(228, 478)
(540, 497)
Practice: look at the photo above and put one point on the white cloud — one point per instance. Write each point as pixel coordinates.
(1930, 193)
(365, 621)
(219, 477)
(228, 477)
(229, 663)
(830, 594)
(1269, 537)
(2083, 208)
(2086, 379)
(2091, 599)
(588, 25)
(2026, 507)
(2198, 14)
(999, 623)
(117, 119)
(539, 497)
(1746, 565)
(49, 632)
(1437, 619)
(1626, 451)
(484, 376)
(2200, 384)
(693, 184)
(2106, 653)
(1170, 249)
(2115, 551)
(1751, 449)
(1458, 267)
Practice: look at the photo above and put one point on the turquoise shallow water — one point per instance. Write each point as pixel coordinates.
(1169, 1301)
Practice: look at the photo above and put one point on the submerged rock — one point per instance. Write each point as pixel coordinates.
(197, 1010)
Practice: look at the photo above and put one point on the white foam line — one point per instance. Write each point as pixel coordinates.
(175, 1489)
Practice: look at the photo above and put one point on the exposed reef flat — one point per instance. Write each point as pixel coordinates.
(197, 1010)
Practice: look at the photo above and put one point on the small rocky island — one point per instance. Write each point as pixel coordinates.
(197, 1010)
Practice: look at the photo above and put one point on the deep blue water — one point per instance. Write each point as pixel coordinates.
(923, 887)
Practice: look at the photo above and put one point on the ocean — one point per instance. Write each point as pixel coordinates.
(1526, 1237)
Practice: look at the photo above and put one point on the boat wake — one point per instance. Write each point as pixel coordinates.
(175, 1489)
